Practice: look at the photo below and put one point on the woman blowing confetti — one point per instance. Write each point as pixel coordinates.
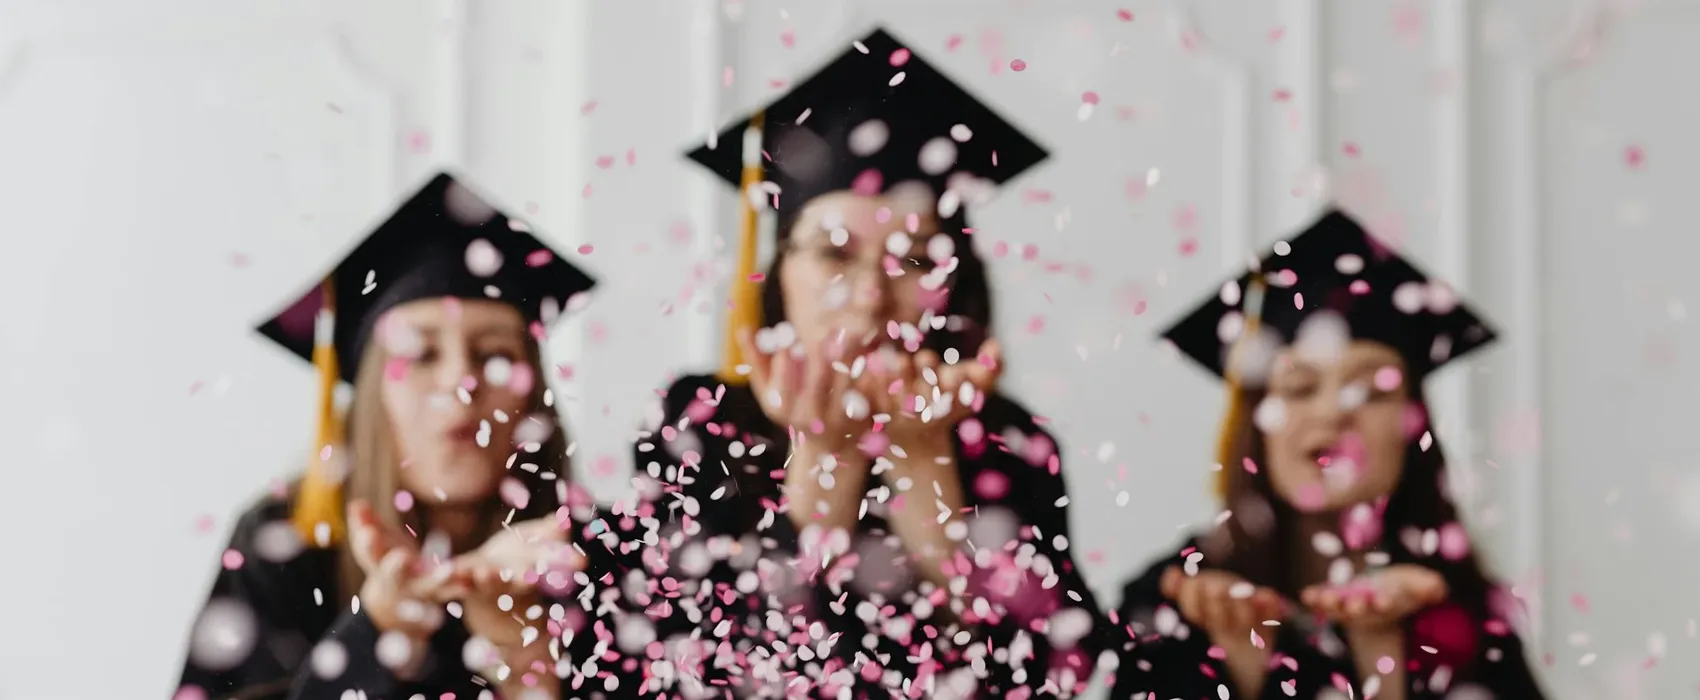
(1340, 568)
(851, 509)
(429, 552)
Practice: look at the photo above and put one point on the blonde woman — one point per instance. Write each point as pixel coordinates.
(424, 554)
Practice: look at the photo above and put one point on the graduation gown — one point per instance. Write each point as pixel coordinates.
(742, 607)
(1159, 654)
(277, 628)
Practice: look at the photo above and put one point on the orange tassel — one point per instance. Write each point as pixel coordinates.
(744, 291)
(319, 505)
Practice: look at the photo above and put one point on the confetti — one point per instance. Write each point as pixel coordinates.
(1018, 65)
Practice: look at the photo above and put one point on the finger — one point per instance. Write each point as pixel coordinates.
(1189, 596)
(817, 381)
(1170, 582)
(1211, 597)
(1356, 606)
(759, 361)
(395, 565)
(781, 384)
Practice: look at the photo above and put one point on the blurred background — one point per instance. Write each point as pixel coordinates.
(172, 172)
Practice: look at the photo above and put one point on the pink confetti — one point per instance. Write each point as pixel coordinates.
(522, 380)
(1388, 378)
(1135, 188)
(758, 276)
(1018, 65)
(419, 142)
(1124, 15)
(726, 76)
(1634, 157)
(395, 369)
(1580, 602)
(1282, 95)
(589, 106)
(603, 467)
(585, 193)
(605, 162)
(1186, 218)
(598, 332)
(991, 485)
(1277, 34)
(899, 57)
(1454, 542)
(564, 372)
(1089, 97)
(1407, 21)
(403, 501)
(1189, 246)
(954, 41)
(232, 559)
(514, 493)
(190, 692)
(539, 257)
(1029, 252)
(586, 249)
(788, 39)
(1032, 196)
(204, 523)
(1350, 149)
(631, 156)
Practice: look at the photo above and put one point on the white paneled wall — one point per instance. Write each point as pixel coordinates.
(169, 173)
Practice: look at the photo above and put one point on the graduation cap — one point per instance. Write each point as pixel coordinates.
(445, 241)
(1333, 276)
(876, 117)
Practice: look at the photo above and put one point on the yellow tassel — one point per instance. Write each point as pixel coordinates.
(745, 293)
(319, 502)
(1234, 416)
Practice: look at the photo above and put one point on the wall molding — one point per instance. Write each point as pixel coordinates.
(452, 112)
(1301, 60)
(707, 196)
(1531, 69)
(1239, 235)
(1452, 58)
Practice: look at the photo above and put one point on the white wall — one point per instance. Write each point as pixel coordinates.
(170, 172)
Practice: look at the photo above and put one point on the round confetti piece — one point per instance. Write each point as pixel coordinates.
(232, 559)
(1018, 65)
(223, 635)
(482, 258)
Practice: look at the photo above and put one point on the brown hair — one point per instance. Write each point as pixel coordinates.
(374, 463)
(1257, 542)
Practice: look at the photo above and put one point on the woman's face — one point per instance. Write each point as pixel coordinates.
(456, 382)
(1335, 425)
(857, 264)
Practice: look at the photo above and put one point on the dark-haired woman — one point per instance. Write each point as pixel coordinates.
(1341, 566)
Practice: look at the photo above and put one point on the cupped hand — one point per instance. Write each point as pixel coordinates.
(1379, 600)
(810, 390)
(401, 590)
(925, 397)
(1223, 604)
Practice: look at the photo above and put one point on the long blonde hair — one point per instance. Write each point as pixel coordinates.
(374, 464)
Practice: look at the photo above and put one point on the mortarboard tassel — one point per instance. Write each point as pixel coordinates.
(1234, 416)
(319, 502)
(745, 313)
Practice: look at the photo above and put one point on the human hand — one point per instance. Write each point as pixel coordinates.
(401, 588)
(925, 397)
(1223, 604)
(1379, 600)
(811, 392)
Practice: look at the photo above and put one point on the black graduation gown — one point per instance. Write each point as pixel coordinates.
(285, 610)
(741, 606)
(1160, 655)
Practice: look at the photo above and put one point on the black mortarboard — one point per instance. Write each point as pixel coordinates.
(445, 241)
(876, 116)
(1336, 265)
